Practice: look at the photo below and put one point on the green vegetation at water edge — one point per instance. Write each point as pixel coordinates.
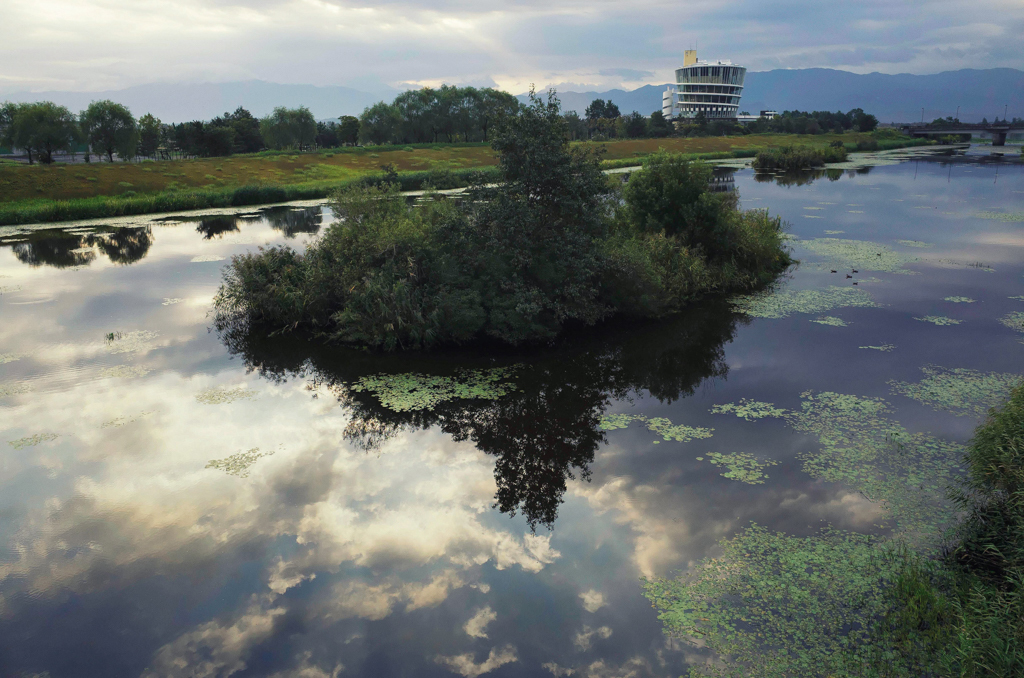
(127, 204)
(840, 603)
(788, 158)
(549, 245)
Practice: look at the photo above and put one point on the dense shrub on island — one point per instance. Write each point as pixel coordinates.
(550, 245)
(799, 157)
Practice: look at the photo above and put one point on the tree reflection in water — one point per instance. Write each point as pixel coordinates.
(546, 431)
(292, 221)
(61, 249)
(216, 226)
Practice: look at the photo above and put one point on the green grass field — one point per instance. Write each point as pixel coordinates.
(30, 193)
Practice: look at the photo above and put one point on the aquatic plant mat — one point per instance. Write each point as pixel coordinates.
(774, 604)
(411, 391)
(773, 304)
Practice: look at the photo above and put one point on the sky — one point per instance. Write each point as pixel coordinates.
(91, 45)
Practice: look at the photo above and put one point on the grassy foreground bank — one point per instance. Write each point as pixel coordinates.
(39, 193)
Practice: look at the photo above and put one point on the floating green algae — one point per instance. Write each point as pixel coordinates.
(861, 447)
(782, 304)
(224, 395)
(884, 347)
(1018, 298)
(830, 320)
(862, 255)
(1014, 320)
(659, 425)
(32, 441)
(10, 389)
(915, 243)
(125, 372)
(834, 232)
(240, 463)
(1001, 216)
(751, 410)
(203, 258)
(958, 390)
(9, 357)
(940, 320)
(170, 302)
(960, 300)
(742, 466)
(774, 605)
(412, 391)
(130, 342)
(118, 422)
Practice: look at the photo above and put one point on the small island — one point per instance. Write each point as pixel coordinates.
(554, 244)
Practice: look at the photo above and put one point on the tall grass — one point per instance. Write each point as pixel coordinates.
(798, 157)
(40, 211)
(963, 614)
(714, 155)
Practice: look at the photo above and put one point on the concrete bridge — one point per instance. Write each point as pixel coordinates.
(997, 130)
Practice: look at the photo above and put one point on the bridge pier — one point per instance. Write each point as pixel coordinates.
(998, 138)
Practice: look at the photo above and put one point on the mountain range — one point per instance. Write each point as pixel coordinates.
(892, 98)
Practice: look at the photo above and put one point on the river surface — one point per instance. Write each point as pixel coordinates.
(178, 501)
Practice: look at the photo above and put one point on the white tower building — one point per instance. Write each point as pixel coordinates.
(714, 88)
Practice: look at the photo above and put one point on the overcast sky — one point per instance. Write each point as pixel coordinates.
(90, 45)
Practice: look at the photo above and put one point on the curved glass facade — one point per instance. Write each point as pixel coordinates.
(714, 89)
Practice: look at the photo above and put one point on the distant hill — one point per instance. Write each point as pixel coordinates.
(185, 102)
(892, 98)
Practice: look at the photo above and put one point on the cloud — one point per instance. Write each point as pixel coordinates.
(52, 45)
(626, 73)
(212, 649)
(592, 600)
(464, 665)
(477, 624)
(583, 638)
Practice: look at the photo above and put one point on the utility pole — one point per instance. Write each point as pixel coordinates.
(1005, 108)
(922, 114)
(957, 118)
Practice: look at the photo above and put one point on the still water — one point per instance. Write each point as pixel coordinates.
(179, 501)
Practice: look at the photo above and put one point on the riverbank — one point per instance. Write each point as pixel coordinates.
(33, 194)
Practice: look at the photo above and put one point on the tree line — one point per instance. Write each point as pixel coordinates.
(106, 128)
(446, 114)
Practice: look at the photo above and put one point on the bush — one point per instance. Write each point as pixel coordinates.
(796, 158)
(544, 248)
